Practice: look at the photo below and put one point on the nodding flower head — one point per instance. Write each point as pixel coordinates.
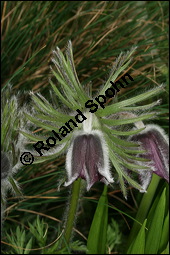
(88, 159)
(156, 143)
(98, 145)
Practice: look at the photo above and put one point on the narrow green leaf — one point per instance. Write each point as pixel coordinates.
(132, 166)
(39, 123)
(166, 251)
(117, 106)
(62, 98)
(119, 170)
(155, 226)
(165, 234)
(66, 87)
(123, 143)
(144, 207)
(52, 119)
(14, 186)
(134, 151)
(122, 152)
(96, 243)
(123, 133)
(138, 245)
(42, 106)
(115, 161)
(32, 137)
(114, 76)
(121, 180)
(60, 150)
(73, 74)
(141, 107)
(117, 122)
(22, 239)
(28, 246)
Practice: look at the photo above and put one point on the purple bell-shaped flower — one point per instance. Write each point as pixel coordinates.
(88, 159)
(154, 140)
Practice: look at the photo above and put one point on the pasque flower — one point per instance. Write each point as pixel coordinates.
(12, 143)
(88, 158)
(156, 143)
(100, 140)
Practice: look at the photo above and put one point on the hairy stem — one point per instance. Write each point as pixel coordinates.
(75, 191)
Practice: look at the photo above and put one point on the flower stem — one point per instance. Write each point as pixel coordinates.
(75, 191)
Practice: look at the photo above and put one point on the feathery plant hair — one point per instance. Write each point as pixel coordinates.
(113, 123)
(12, 142)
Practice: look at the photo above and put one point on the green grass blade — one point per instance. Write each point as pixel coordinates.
(138, 245)
(165, 234)
(96, 243)
(155, 225)
(166, 251)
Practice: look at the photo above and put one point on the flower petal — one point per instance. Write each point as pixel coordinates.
(94, 159)
(86, 159)
(155, 142)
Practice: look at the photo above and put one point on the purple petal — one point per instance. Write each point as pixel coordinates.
(87, 155)
(155, 142)
(79, 156)
(94, 159)
(88, 158)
